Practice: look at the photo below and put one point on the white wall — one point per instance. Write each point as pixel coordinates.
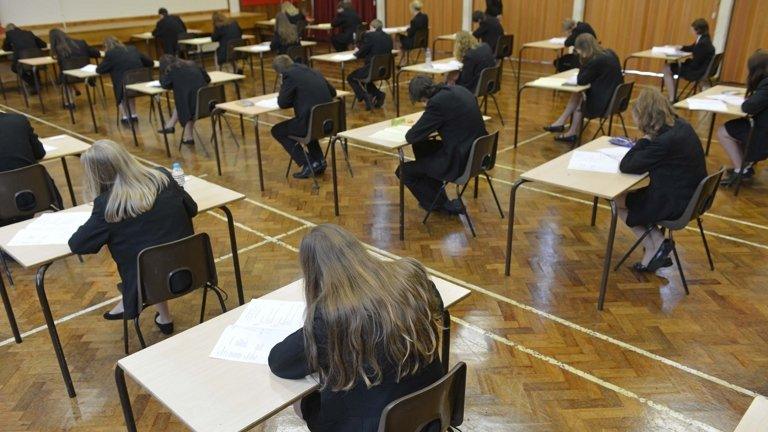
(26, 12)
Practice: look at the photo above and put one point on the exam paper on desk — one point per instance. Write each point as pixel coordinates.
(557, 40)
(736, 100)
(91, 68)
(549, 81)
(50, 229)
(268, 103)
(450, 66)
(593, 161)
(392, 133)
(343, 57)
(707, 105)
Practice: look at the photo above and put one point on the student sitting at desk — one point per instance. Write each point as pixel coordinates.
(18, 40)
(374, 42)
(347, 21)
(365, 355)
(452, 112)
(695, 67)
(602, 71)
(301, 89)
(671, 154)
(118, 60)
(167, 29)
(488, 30)
(185, 78)
(494, 8)
(734, 134)
(134, 207)
(295, 16)
(285, 35)
(474, 57)
(419, 21)
(225, 30)
(573, 30)
(64, 47)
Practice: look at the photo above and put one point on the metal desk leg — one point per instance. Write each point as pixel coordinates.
(258, 152)
(709, 137)
(401, 156)
(343, 81)
(159, 102)
(397, 92)
(608, 253)
(125, 400)
(69, 181)
(216, 113)
(334, 176)
(594, 211)
(519, 66)
(40, 286)
(235, 256)
(9, 311)
(511, 224)
(242, 123)
(517, 112)
(263, 82)
(445, 356)
(68, 100)
(90, 106)
(253, 75)
(130, 120)
(38, 88)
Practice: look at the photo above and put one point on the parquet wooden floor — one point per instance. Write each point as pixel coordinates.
(540, 356)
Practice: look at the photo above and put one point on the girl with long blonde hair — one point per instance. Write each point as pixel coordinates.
(474, 56)
(371, 331)
(285, 36)
(134, 207)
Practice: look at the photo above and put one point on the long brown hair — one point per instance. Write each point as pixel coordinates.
(757, 65)
(111, 42)
(287, 31)
(652, 112)
(61, 44)
(372, 311)
(588, 47)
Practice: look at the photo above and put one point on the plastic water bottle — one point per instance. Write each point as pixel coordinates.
(428, 56)
(178, 174)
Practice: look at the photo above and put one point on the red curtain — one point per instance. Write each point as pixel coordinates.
(325, 10)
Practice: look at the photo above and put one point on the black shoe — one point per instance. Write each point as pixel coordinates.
(378, 101)
(639, 267)
(165, 329)
(368, 100)
(189, 142)
(168, 130)
(113, 317)
(135, 119)
(306, 171)
(239, 71)
(124, 120)
(454, 207)
(551, 128)
(662, 254)
(567, 138)
(69, 105)
(731, 179)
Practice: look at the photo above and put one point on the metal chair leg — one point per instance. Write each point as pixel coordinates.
(634, 246)
(288, 170)
(231, 132)
(434, 201)
(345, 149)
(202, 305)
(316, 185)
(493, 192)
(679, 264)
(6, 269)
(623, 126)
(125, 336)
(498, 110)
(138, 333)
(706, 246)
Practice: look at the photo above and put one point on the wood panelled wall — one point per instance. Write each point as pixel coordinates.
(444, 15)
(748, 32)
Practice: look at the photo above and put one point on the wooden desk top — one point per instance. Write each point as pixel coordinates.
(148, 35)
(207, 40)
(236, 107)
(733, 110)
(395, 30)
(266, 23)
(207, 195)
(209, 394)
(60, 146)
(557, 82)
(449, 37)
(337, 57)
(756, 417)
(430, 69)
(38, 61)
(264, 47)
(544, 44)
(79, 73)
(603, 185)
(321, 26)
(649, 54)
(217, 77)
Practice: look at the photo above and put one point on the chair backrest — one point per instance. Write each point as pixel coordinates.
(25, 192)
(174, 269)
(135, 76)
(619, 103)
(362, 28)
(700, 201)
(713, 69)
(326, 120)
(749, 155)
(73, 63)
(441, 403)
(482, 157)
(232, 55)
(381, 67)
(504, 46)
(420, 39)
(207, 98)
(299, 54)
(488, 83)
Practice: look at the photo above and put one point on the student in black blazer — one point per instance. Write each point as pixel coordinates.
(602, 71)
(134, 207)
(225, 30)
(474, 56)
(365, 355)
(18, 40)
(573, 30)
(285, 36)
(671, 154)
(118, 60)
(63, 48)
(302, 88)
(374, 42)
(419, 21)
(185, 78)
(167, 30)
(488, 30)
(494, 8)
(695, 67)
(734, 134)
(347, 21)
(452, 112)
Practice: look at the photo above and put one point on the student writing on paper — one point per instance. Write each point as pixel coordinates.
(167, 31)
(371, 332)
(374, 42)
(474, 56)
(285, 36)
(19, 40)
(225, 30)
(602, 71)
(347, 21)
(734, 134)
(488, 30)
(301, 89)
(64, 48)
(671, 154)
(185, 78)
(419, 21)
(134, 207)
(573, 29)
(295, 16)
(452, 112)
(694, 68)
(119, 59)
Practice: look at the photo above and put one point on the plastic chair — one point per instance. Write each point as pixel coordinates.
(504, 48)
(420, 43)
(700, 202)
(482, 158)
(207, 99)
(379, 69)
(434, 408)
(711, 75)
(133, 76)
(619, 103)
(172, 270)
(488, 85)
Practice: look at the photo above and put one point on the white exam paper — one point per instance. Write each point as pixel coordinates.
(668, 50)
(392, 133)
(593, 161)
(549, 82)
(50, 229)
(615, 152)
(707, 105)
(91, 68)
(268, 103)
(48, 148)
(273, 314)
(729, 99)
(449, 66)
(154, 83)
(343, 57)
(557, 40)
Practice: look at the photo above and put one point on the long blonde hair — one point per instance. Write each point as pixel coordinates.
(464, 42)
(652, 112)
(588, 47)
(132, 187)
(287, 31)
(289, 8)
(372, 311)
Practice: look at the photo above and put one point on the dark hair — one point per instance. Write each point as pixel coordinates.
(61, 44)
(168, 62)
(162, 11)
(281, 63)
(10, 26)
(757, 65)
(478, 16)
(422, 87)
(700, 26)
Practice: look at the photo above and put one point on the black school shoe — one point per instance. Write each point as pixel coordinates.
(165, 329)
(306, 170)
(661, 256)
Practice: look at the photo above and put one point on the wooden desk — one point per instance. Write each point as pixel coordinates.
(207, 195)
(86, 77)
(447, 37)
(731, 110)
(36, 63)
(651, 55)
(556, 82)
(209, 394)
(148, 37)
(340, 57)
(260, 49)
(608, 186)
(756, 417)
(206, 44)
(395, 30)
(59, 147)
(423, 68)
(320, 26)
(547, 44)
